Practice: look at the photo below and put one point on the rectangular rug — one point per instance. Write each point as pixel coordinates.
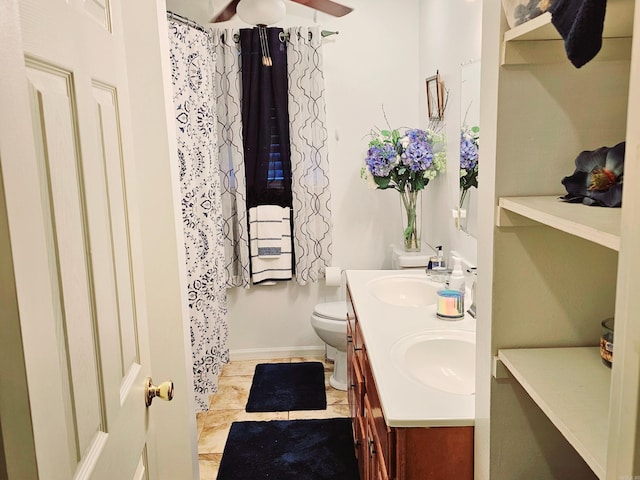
(281, 387)
(318, 449)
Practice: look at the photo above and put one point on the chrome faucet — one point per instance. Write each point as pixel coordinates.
(439, 274)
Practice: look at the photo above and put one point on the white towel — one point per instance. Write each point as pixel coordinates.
(272, 236)
(272, 224)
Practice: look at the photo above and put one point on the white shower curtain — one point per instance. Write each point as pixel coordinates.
(309, 160)
(231, 156)
(192, 60)
(309, 155)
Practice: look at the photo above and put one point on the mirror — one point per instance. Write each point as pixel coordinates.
(469, 146)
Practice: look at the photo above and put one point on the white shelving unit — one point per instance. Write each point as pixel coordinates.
(537, 41)
(571, 386)
(599, 225)
(551, 271)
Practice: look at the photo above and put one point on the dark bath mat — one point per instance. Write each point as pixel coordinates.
(318, 449)
(280, 387)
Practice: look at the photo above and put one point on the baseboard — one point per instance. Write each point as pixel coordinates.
(276, 352)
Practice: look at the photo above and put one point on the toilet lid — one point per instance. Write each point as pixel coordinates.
(411, 259)
(334, 310)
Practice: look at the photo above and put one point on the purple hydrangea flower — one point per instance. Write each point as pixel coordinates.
(406, 162)
(418, 153)
(468, 153)
(380, 159)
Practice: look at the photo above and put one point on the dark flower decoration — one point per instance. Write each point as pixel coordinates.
(597, 179)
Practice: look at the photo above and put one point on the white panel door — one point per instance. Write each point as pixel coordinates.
(72, 222)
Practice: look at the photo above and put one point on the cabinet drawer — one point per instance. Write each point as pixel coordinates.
(372, 401)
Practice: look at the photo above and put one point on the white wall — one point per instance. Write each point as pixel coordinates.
(450, 35)
(381, 56)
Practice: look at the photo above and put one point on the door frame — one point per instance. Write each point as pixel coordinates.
(150, 88)
(156, 159)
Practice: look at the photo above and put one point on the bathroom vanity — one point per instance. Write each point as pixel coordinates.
(407, 424)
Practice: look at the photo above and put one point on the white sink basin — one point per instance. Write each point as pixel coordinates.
(440, 359)
(405, 290)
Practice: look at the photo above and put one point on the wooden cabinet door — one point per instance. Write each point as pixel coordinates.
(361, 446)
(376, 467)
(356, 388)
(372, 400)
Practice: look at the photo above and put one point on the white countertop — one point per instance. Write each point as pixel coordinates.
(405, 401)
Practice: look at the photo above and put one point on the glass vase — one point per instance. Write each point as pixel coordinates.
(411, 220)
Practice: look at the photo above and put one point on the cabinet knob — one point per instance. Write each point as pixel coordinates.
(372, 447)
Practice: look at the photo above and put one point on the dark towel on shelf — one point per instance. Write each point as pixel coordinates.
(580, 23)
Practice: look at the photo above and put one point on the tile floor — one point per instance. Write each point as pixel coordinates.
(228, 405)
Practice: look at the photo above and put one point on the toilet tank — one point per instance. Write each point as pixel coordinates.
(401, 260)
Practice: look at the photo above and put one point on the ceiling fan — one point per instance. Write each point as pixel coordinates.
(276, 8)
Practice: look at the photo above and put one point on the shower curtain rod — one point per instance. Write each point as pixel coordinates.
(323, 33)
(186, 21)
(283, 36)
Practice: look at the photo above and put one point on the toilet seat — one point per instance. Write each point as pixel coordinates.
(331, 310)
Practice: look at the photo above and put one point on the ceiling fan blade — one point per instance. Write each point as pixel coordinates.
(227, 12)
(326, 6)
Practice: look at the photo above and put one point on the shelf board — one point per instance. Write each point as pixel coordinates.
(600, 225)
(618, 23)
(538, 41)
(539, 28)
(571, 386)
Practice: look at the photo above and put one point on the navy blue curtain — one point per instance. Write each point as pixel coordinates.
(265, 117)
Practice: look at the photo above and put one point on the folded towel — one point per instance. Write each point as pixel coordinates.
(272, 224)
(267, 267)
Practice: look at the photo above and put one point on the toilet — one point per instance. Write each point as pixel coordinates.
(401, 260)
(329, 320)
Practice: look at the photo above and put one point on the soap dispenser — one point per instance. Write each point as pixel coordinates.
(437, 265)
(456, 281)
(437, 262)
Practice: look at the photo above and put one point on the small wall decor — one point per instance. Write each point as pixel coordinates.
(435, 97)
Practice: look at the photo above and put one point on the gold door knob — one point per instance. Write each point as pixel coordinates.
(163, 391)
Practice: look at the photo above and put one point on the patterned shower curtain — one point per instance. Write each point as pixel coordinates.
(231, 156)
(192, 61)
(309, 155)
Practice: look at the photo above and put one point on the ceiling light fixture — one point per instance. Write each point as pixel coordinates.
(261, 12)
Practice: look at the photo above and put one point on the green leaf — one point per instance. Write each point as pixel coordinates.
(382, 182)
